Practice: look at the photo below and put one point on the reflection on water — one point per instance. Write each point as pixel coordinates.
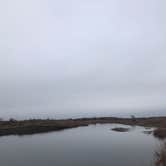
(95, 145)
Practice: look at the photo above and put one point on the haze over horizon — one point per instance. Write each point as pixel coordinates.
(82, 57)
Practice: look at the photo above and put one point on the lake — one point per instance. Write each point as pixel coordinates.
(94, 145)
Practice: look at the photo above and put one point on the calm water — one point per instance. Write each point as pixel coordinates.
(91, 146)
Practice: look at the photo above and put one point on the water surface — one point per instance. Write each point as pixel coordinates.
(95, 145)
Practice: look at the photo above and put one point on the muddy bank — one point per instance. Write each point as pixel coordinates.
(120, 129)
(160, 155)
(39, 126)
(160, 133)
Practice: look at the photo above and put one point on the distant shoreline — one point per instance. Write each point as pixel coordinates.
(27, 127)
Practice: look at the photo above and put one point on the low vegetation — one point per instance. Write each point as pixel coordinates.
(14, 127)
(160, 156)
(121, 129)
(160, 133)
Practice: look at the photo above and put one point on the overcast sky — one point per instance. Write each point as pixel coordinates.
(82, 57)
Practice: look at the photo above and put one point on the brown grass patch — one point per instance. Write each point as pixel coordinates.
(160, 133)
(160, 156)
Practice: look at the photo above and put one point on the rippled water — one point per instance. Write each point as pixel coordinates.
(95, 145)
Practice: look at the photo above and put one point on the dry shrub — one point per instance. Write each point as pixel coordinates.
(160, 155)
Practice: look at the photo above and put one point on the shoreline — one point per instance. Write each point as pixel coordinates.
(28, 127)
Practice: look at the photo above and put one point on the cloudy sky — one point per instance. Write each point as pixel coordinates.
(82, 57)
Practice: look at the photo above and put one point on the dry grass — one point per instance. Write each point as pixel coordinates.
(160, 156)
(160, 133)
(14, 127)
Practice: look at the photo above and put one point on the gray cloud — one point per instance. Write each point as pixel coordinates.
(81, 57)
